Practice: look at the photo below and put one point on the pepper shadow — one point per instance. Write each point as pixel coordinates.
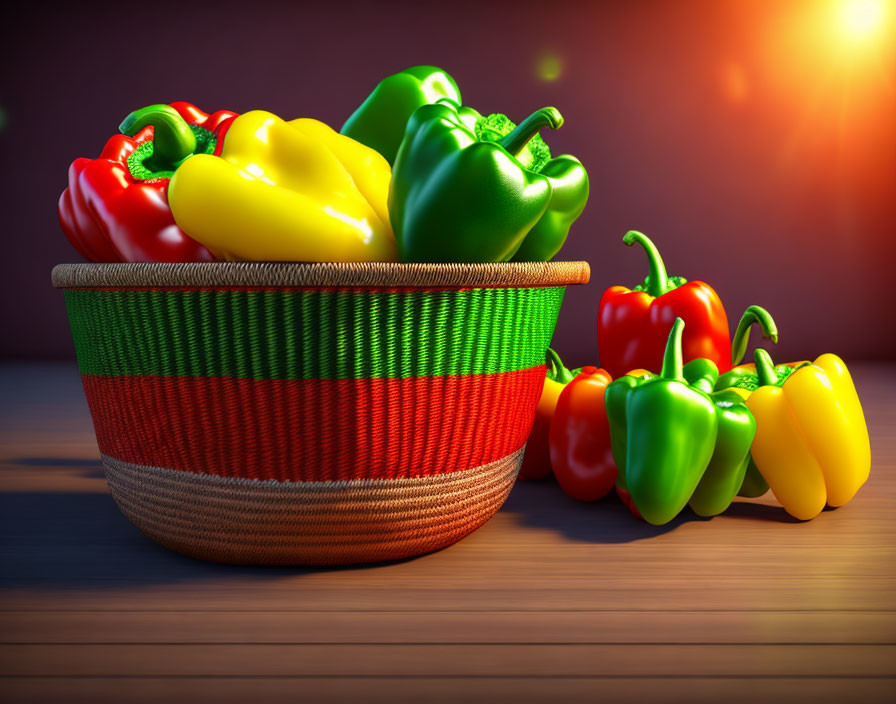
(80, 540)
(760, 512)
(542, 504)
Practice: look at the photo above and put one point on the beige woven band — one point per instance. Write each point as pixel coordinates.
(326, 274)
(246, 521)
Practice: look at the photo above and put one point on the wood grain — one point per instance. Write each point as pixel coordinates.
(551, 599)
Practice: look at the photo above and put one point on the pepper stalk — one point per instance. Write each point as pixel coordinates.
(173, 140)
(517, 140)
(658, 281)
(752, 316)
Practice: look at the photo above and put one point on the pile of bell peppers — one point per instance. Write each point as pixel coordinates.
(413, 175)
(684, 423)
(671, 419)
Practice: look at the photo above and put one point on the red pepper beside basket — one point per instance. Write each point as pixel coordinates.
(633, 324)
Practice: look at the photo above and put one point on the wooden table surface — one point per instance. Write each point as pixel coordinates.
(551, 600)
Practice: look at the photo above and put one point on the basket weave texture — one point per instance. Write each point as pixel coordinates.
(312, 414)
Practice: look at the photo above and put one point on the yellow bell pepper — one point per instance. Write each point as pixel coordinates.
(286, 191)
(811, 443)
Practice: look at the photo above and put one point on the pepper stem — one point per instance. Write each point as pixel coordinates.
(751, 316)
(561, 373)
(173, 140)
(516, 141)
(673, 363)
(765, 368)
(657, 279)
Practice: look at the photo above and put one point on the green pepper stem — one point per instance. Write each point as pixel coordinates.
(751, 316)
(561, 373)
(765, 368)
(173, 140)
(657, 279)
(673, 363)
(516, 141)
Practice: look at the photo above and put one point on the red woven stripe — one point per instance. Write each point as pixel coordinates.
(314, 430)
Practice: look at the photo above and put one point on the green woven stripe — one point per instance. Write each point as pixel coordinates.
(316, 334)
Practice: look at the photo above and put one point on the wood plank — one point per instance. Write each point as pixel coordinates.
(495, 690)
(680, 594)
(447, 627)
(466, 660)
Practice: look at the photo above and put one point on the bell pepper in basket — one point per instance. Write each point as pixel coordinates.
(537, 460)
(811, 442)
(115, 208)
(286, 191)
(633, 325)
(581, 455)
(676, 441)
(380, 120)
(457, 195)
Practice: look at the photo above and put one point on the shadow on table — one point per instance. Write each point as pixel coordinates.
(543, 504)
(90, 469)
(81, 540)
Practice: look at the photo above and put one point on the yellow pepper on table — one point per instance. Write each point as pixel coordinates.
(286, 191)
(811, 444)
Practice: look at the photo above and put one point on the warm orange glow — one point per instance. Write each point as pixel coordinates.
(860, 19)
(735, 83)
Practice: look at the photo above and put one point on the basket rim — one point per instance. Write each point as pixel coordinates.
(293, 274)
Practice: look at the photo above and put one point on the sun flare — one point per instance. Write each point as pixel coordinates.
(861, 19)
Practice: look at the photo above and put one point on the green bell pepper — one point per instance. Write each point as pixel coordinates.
(380, 120)
(465, 189)
(744, 380)
(675, 440)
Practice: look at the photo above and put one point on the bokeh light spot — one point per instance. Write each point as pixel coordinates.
(548, 67)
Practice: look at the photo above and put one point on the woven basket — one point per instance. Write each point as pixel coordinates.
(263, 413)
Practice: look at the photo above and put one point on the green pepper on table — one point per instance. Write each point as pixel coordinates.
(675, 440)
(461, 192)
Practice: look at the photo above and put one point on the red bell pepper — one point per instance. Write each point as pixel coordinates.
(626, 499)
(581, 454)
(633, 325)
(537, 460)
(115, 208)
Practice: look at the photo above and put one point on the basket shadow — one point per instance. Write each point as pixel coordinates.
(89, 469)
(80, 540)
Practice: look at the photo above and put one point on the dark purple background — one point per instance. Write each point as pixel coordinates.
(739, 135)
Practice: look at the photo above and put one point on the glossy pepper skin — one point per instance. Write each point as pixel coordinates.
(581, 454)
(303, 191)
(566, 174)
(633, 324)
(811, 444)
(115, 208)
(380, 120)
(458, 196)
(677, 442)
(537, 460)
